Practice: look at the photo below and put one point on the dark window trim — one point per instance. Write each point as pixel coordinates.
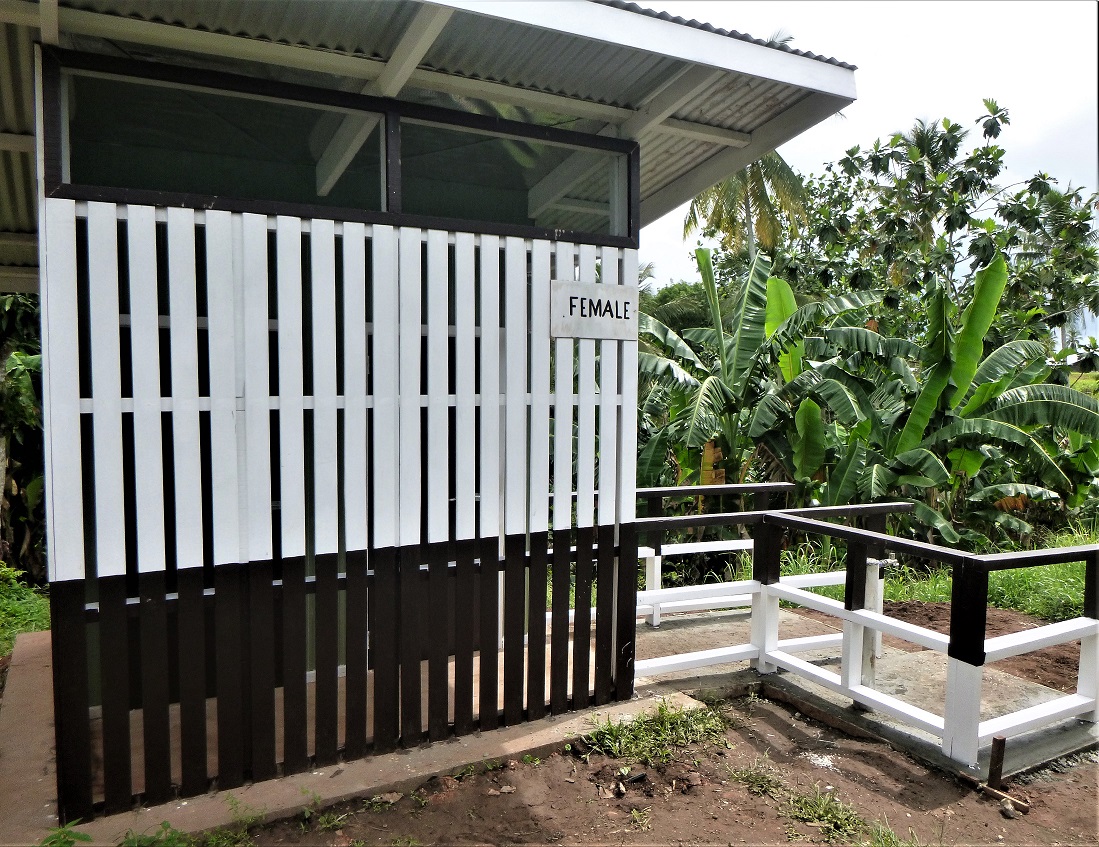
(55, 60)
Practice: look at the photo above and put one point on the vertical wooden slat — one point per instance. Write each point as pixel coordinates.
(489, 477)
(154, 689)
(516, 447)
(114, 674)
(604, 615)
(230, 688)
(221, 308)
(581, 629)
(288, 238)
(187, 460)
(438, 480)
(295, 727)
(261, 665)
(465, 477)
(191, 622)
(325, 487)
(385, 432)
(257, 393)
(563, 406)
(70, 699)
(536, 626)
(110, 523)
(355, 470)
(409, 506)
(145, 341)
(626, 622)
(61, 393)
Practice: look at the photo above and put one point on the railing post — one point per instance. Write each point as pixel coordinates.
(965, 663)
(1087, 678)
(875, 591)
(654, 506)
(766, 565)
(852, 667)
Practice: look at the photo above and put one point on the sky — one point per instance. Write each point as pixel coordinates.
(928, 60)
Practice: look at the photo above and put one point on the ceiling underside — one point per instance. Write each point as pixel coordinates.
(570, 64)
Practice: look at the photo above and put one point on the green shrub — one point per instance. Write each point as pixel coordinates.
(22, 609)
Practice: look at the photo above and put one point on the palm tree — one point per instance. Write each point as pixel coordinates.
(747, 207)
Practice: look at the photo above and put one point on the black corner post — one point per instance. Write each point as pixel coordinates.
(854, 585)
(626, 622)
(1091, 588)
(968, 613)
(766, 552)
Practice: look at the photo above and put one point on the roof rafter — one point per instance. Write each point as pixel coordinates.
(355, 129)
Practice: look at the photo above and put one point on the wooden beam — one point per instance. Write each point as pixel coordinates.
(18, 280)
(355, 129)
(19, 13)
(17, 142)
(49, 26)
(686, 85)
(704, 132)
(589, 207)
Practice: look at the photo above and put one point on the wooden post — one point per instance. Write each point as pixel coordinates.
(766, 563)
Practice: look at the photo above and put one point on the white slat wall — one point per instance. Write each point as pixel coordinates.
(61, 392)
(465, 386)
(409, 274)
(586, 403)
(110, 519)
(438, 378)
(145, 341)
(539, 386)
(183, 300)
(564, 403)
(515, 374)
(608, 405)
(322, 279)
(291, 387)
(385, 386)
(490, 387)
(355, 370)
(627, 432)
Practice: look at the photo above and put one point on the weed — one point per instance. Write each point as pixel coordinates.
(237, 835)
(166, 836)
(328, 821)
(489, 765)
(466, 772)
(404, 841)
(722, 708)
(381, 802)
(760, 779)
(531, 760)
(311, 809)
(836, 820)
(642, 819)
(654, 737)
(64, 836)
(419, 797)
(22, 609)
(882, 836)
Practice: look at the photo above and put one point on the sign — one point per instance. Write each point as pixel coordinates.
(591, 310)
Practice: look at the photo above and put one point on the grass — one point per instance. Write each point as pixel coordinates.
(22, 609)
(656, 736)
(760, 778)
(822, 810)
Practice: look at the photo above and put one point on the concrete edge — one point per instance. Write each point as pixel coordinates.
(403, 771)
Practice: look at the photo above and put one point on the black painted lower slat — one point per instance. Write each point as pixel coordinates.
(383, 648)
(411, 650)
(464, 604)
(438, 667)
(355, 656)
(154, 689)
(625, 639)
(604, 617)
(326, 728)
(261, 622)
(295, 726)
(70, 693)
(488, 716)
(515, 610)
(536, 627)
(559, 636)
(581, 628)
(114, 670)
(191, 626)
(228, 610)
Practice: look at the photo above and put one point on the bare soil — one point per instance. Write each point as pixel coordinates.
(570, 799)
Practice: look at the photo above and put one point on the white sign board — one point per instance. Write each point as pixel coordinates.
(591, 310)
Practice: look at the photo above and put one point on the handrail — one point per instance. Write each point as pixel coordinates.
(715, 490)
(753, 517)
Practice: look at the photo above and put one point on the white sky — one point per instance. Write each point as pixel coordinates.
(929, 60)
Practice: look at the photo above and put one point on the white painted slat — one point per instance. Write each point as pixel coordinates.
(291, 426)
(438, 405)
(698, 659)
(61, 390)
(564, 403)
(386, 429)
(586, 402)
(183, 299)
(410, 339)
(490, 387)
(465, 387)
(221, 287)
(145, 342)
(355, 435)
(1041, 714)
(257, 393)
(627, 442)
(608, 406)
(539, 386)
(110, 518)
(1015, 643)
(325, 455)
(515, 374)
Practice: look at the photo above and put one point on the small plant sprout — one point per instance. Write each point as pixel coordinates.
(534, 761)
(641, 819)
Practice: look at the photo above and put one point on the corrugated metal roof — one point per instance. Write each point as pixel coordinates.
(592, 82)
(730, 33)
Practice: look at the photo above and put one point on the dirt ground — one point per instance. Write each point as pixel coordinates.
(572, 799)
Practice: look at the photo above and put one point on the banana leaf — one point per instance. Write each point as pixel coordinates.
(988, 288)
